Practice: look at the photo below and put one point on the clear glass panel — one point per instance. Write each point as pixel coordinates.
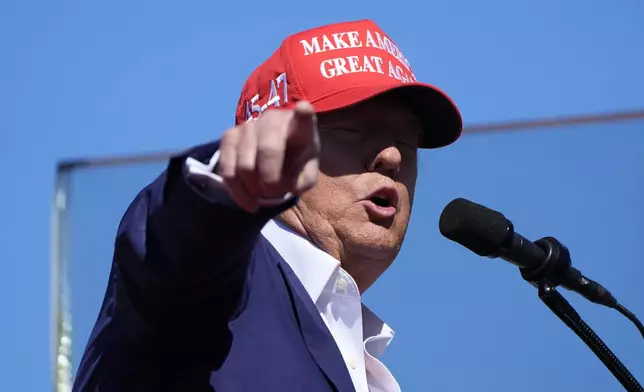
(462, 322)
(97, 199)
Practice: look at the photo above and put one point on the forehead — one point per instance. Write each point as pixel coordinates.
(382, 109)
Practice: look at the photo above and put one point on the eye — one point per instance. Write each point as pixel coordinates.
(409, 141)
(351, 129)
(408, 144)
(345, 132)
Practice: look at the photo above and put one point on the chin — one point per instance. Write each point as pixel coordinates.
(378, 237)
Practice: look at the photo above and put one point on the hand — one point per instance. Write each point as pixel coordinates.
(271, 156)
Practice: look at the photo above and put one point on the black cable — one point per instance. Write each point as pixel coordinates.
(629, 315)
(560, 307)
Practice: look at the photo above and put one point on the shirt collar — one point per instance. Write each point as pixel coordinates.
(314, 268)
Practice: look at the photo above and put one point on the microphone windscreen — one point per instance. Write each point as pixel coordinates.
(478, 228)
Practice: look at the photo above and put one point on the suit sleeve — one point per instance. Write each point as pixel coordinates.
(182, 251)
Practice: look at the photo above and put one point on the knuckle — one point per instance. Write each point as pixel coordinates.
(225, 160)
(270, 182)
(230, 136)
(272, 120)
(270, 150)
(228, 177)
(270, 145)
(247, 129)
(245, 166)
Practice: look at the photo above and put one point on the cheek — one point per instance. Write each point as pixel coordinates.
(409, 183)
(338, 159)
(329, 196)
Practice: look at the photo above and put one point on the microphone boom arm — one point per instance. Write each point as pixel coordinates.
(562, 308)
(546, 279)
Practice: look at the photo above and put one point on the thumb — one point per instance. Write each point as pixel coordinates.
(303, 126)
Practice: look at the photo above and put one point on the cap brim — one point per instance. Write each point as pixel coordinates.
(439, 116)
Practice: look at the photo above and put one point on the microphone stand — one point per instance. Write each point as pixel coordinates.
(562, 308)
(546, 279)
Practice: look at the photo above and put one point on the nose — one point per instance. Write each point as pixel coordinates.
(387, 161)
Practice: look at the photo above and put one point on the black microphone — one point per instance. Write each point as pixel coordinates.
(490, 234)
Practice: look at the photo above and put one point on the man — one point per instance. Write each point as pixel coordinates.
(241, 267)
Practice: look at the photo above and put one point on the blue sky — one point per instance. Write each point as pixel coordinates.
(81, 79)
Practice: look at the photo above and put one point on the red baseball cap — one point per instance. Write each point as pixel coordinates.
(343, 64)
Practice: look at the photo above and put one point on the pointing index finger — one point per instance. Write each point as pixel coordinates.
(303, 124)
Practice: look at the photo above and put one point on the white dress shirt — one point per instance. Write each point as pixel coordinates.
(360, 335)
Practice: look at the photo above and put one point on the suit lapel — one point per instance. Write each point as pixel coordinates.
(316, 335)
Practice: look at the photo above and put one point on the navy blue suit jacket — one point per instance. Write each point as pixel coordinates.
(199, 300)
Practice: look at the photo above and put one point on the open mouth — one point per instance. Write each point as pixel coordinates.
(380, 201)
(385, 198)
